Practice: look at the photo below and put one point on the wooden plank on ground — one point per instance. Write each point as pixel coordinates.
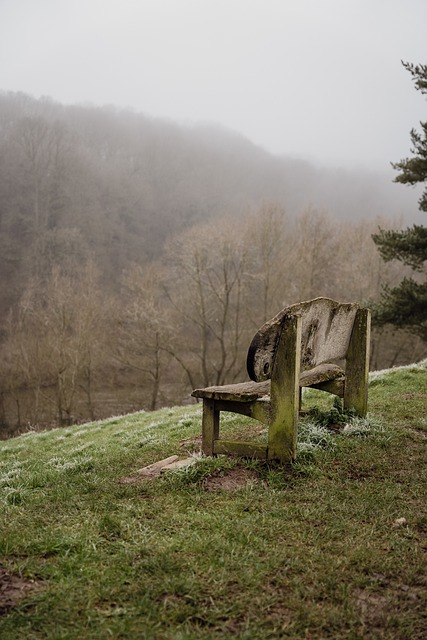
(155, 468)
(179, 464)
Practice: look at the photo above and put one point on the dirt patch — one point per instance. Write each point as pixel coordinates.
(411, 396)
(375, 606)
(13, 589)
(229, 480)
(372, 606)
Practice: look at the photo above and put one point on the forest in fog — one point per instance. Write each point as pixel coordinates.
(138, 257)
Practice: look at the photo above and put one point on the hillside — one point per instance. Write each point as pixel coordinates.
(138, 257)
(333, 548)
(114, 185)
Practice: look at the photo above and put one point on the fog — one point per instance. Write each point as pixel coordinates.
(315, 80)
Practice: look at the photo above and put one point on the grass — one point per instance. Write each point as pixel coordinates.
(334, 548)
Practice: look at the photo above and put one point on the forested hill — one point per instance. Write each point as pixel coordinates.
(138, 257)
(80, 180)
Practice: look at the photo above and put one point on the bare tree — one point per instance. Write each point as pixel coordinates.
(269, 240)
(314, 254)
(143, 329)
(54, 342)
(205, 289)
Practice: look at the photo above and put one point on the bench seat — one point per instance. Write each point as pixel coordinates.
(250, 391)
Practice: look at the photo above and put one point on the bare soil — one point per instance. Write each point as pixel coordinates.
(14, 588)
(229, 480)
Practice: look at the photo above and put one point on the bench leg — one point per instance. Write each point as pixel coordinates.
(210, 426)
(285, 393)
(357, 366)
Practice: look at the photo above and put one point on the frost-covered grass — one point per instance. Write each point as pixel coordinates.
(332, 548)
(384, 374)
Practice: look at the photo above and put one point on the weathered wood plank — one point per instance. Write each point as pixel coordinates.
(155, 468)
(210, 426)
(258, 409)
(326, 330)
(335, 387)
(243, 449)
(282, 434)
(179, 464)
(250, 391)
(357, 369)
(241, 392)
(321, 373)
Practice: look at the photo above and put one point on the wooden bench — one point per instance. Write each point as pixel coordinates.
(320, 343)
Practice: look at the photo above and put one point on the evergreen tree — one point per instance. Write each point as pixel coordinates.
(405, 306)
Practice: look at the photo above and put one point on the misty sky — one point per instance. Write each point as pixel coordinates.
(317, 79)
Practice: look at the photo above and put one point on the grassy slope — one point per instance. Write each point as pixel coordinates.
(312, 553)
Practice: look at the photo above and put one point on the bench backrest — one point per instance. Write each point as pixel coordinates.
(326, 331)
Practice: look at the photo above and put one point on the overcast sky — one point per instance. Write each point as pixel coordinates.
(317, 79)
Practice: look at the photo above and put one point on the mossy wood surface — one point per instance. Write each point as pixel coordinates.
(248, 391)
(210, 423)
(317, 334)
(282, 435)
(242, 449)
(325, 335)
(357, 369)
